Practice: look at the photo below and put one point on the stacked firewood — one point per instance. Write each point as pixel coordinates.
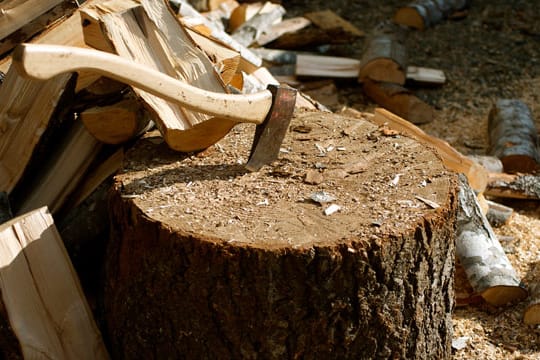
(63, 138)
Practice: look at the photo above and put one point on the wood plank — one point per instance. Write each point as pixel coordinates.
(45, 304)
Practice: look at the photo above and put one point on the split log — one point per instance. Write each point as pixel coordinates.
(248, 33)
(149, 34)
(44, 311)
(385, 55)
(453, 159)
(252, 267)
(513, 186)
(532, 312)
(25, 111)
(422, 14)
(513, 136)
(61, 173)
(488, 270)
(31, 28)
(398, 100)
(286, 26)
(67, 32)
(17, 13)
(425, 76)
(116, 124)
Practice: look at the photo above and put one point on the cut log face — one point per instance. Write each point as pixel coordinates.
(513, 136)
(250, 263)
(385, 56)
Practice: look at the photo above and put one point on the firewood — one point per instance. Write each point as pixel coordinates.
(116, 124)
(491, 163)
(513, 136)
(46, 311)
(498, 214)
(333, 23)
(191, 17)
(286, 26)
(62, 172)
(65, 32)
(248, 33)
(488, 270)
(513, 186)
(425, 76)
(149, 34)
(385, 55)
(17, 13)
(25, 110)
(31, 28)
(532, 312)
(398, 100)
(226, 61)
(454, 160)
(243, 13)
(421, 14)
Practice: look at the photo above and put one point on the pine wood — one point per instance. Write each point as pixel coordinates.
(351, 290)
(17, 13)
(63, 10)
(115, 124)
(40, 292)
(398, 100)
(385, 55)
(476, 174)
(243, 13)
(513, 186)
(422, 14)
(513, 136)
(488, 270)
(62, 172)
(25, 110)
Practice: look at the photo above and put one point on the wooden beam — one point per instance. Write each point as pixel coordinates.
(41, 293)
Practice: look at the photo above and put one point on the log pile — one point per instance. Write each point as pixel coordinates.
(64, 139)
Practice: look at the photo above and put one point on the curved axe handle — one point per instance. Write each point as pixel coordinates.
(41, 62)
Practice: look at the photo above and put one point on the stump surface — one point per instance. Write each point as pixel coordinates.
(208, 260)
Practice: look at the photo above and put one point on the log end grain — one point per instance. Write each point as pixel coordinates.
(504, 295)
(210, 260)
(410, 17)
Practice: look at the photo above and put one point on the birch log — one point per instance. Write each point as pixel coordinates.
(385, 56)
(488, 269)
(532, 313)
(513, 136)
(426, 13)
(513, 186)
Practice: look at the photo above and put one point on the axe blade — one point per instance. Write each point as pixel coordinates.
(270, 133)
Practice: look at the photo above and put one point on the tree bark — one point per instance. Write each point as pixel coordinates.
(210, 261)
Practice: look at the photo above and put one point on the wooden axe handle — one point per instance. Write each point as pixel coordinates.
(42, 62)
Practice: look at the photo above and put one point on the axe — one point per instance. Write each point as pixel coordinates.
(270, 109)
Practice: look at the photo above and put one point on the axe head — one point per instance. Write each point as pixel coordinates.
(270, 133)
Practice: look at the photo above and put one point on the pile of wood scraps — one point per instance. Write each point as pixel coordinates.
(68, 113)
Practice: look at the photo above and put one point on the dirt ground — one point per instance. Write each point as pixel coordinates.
(492, 52)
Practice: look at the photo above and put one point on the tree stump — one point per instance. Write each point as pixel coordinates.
(208, 260)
